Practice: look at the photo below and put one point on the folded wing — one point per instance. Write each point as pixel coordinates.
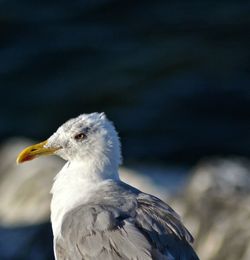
(141, 227)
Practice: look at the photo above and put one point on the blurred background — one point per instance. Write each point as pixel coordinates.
(174, 77)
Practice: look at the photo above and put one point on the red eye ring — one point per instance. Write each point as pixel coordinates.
(80, 136)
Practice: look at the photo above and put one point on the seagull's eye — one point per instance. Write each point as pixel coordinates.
(80, 136)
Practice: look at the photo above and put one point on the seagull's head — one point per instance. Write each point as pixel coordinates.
(83, 138)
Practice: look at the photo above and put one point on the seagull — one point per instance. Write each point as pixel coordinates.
(94, 214)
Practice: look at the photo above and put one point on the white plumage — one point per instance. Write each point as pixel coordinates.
(94, 214)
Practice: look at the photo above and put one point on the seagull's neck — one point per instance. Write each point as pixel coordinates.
(86, 171)
(92, 170)
(75, 184)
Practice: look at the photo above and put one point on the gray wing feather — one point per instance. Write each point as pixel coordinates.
(154, 214)
(103, 236)
(163, 227)
(125, 224)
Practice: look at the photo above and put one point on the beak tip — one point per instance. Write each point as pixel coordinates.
(24, 158)
(18, 161)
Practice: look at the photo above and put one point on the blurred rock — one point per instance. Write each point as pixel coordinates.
(25, 229)
(159, 180)
(25, 189)
(216, 207)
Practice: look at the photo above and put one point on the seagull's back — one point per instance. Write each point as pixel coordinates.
(120, 222)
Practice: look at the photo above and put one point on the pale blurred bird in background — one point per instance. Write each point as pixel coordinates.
(94, 214)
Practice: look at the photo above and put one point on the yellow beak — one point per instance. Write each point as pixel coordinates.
(34, 151)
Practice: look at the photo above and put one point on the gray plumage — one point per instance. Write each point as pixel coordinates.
(120, 222)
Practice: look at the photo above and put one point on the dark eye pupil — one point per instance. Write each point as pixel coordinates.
(80, 136)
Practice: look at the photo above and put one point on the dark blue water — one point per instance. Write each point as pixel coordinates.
(174, 76)
(26, 243)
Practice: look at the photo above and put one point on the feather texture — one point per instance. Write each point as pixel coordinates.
(123, 224)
